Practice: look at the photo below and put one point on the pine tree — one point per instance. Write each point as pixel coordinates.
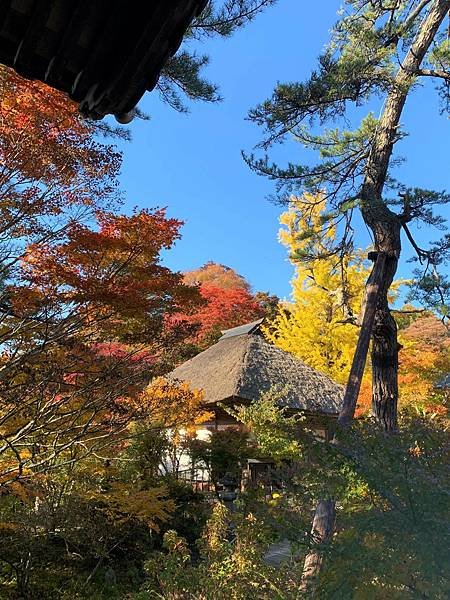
(378, 50)
(182, 76)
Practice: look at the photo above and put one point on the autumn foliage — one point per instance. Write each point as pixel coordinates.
(51, 164)
(95, 305)
(226, 302)
(85, 307)
(424, 360)
(93, 432)
(224, 309)
(84, 297)
(319, 324)
(111, 272)
(215, 275)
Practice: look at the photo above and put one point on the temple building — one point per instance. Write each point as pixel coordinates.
(242, 365)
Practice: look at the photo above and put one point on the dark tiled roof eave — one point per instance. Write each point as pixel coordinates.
(103, 53)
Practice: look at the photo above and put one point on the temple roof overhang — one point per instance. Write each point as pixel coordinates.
(103, 53)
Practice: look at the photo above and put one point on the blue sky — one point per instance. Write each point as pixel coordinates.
(192, 163)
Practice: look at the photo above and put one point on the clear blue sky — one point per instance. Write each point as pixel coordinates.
(192, 163)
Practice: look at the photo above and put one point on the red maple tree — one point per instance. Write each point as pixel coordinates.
(227, 302)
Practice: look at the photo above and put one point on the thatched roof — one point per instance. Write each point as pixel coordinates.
(241, 366)
(104, 54)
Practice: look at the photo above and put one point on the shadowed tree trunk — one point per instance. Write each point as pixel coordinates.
(369, 309)
(385, 226)
(384, 358)
(321, 532)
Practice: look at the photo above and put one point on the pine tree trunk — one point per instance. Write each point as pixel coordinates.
(385, 226)
(384, 369)
(374, 285)
(384, 354)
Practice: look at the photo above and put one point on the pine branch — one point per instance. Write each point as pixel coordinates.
(421, 253)
(414, 13)
(434, 73)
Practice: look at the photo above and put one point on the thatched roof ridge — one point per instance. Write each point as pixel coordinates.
(245, 366)
(248, 328)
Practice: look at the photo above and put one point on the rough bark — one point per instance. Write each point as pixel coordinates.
(321, 532)
(384, 358)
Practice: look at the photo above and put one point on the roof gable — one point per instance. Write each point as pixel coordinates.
(247, 329)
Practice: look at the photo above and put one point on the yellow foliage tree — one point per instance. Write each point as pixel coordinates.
(318, 325)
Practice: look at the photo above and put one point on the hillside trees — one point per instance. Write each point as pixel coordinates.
(227, 302)
(376, 50)
(216, 275)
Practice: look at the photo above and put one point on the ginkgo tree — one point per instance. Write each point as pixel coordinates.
(319, 325)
